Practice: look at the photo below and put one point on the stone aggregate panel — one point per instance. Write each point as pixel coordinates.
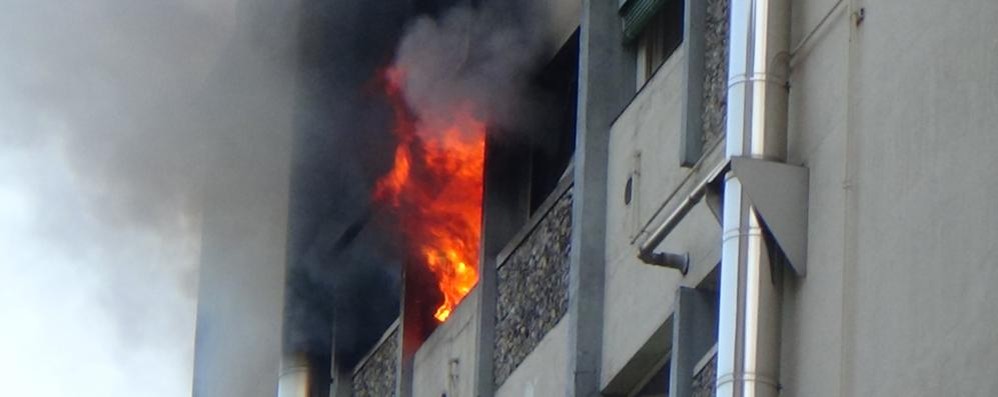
(703, 382)
(533, 288)
(376, 377)
(715, 84)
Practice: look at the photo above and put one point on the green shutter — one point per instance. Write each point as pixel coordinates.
(636, 15)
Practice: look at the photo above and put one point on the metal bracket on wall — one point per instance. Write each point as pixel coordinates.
(714, 197)
(779, 192)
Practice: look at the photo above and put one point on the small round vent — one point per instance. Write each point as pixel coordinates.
(628, 190)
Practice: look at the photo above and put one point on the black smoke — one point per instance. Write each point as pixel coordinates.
(343, 269)
(344, 258)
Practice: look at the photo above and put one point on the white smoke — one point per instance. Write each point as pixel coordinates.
(480, 57)
(102, 152)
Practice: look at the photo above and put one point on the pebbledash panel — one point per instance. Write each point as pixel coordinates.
(532, 299)
(376, 374)
(715, 77)
(533, 286)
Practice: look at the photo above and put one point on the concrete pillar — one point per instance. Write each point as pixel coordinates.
(505, 208)
(691, 140)
(606, 84)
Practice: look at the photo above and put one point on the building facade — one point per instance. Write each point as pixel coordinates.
(848, 144)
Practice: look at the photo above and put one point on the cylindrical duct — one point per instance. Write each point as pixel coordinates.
(295, 380)
(749, 323)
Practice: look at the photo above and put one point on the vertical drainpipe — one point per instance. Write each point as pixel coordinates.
(749, 323)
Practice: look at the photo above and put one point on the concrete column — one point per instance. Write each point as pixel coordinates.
(606, 84)
(505, 208)
(694, 333)
(691, 140)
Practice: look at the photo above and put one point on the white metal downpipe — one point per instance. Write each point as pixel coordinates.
(749, 323)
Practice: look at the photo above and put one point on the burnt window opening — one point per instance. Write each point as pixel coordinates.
(554, 141)
(521, 172)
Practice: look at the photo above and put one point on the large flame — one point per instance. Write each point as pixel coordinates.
(436, 186)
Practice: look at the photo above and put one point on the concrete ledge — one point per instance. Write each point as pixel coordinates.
(707, 357)
(648, 358)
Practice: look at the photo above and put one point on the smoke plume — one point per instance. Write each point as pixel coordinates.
(113, 111)
(481, 56)
(343, 277)
(345, 257)
(108, 116)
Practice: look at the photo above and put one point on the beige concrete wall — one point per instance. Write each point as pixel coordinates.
(898, 129)
(445, 363)
(644, 145)
(920, 291)
(543, 373)
(812, 332)
(644, 137)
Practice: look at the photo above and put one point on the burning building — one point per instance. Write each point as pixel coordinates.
(620, 198)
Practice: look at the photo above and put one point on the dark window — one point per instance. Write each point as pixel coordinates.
(660, 38)
(657, 384)
(554, 140)
(524, 167)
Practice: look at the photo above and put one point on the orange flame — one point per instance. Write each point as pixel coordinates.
(436, 186)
